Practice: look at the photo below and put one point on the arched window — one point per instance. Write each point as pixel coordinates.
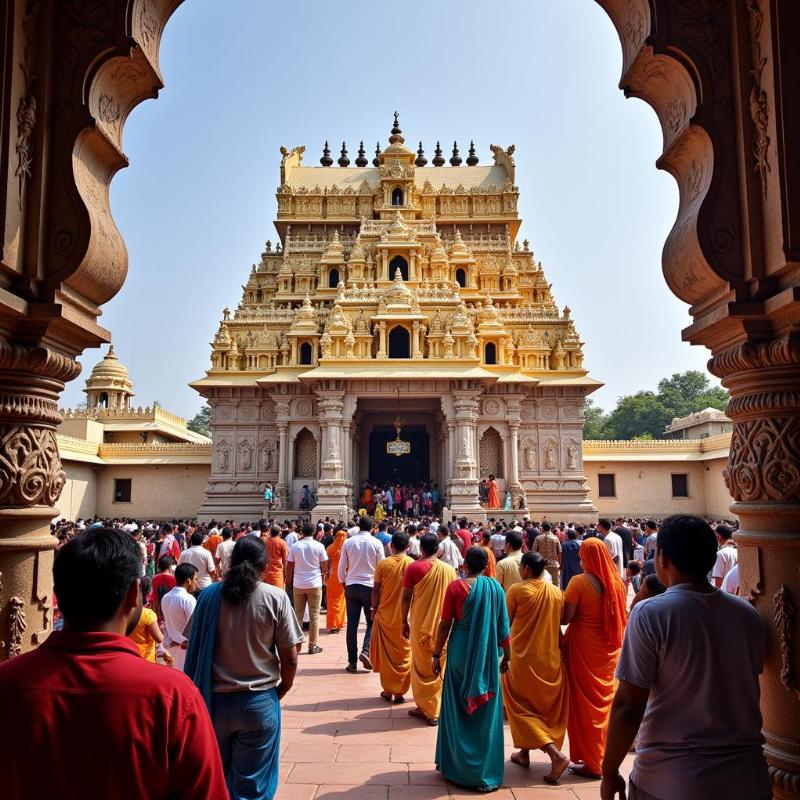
(397, 196)
(305, 353)
(102, 401)
(398, 263)
(490, 353)
(399, 342)
(305, 455)
(491, 454)
(461, 277)
(333, 279)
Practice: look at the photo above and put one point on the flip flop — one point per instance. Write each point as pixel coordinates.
(386, 697)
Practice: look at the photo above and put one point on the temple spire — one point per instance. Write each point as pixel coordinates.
(397, 133)
(472, 159)
(455, 159)
(343, 160)
(376, 162)
(420, 160)
(438, 158)
(361, 161)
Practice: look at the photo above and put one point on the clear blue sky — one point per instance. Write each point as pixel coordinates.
(198, 200)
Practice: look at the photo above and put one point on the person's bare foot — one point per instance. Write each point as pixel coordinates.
(559, 764)
(520, 759)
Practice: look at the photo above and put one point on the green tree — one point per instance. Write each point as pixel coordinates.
(595, 421)
(686, 392)
(201, 421)
(638, 415)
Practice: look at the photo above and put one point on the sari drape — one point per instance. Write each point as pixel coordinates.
(389, 650)
(203, 639)
(469, 745)
(493, 500)
(591, 649)
(426, 610)
(336, 613)
(535, 688)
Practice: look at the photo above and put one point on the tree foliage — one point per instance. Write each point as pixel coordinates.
(201, 421)
(646, 414)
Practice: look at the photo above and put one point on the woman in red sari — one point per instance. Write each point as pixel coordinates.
(595, 609)
(494, 493)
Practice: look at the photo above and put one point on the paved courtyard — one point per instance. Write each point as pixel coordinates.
(340, 740)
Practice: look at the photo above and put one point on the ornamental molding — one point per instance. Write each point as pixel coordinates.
(784, 617)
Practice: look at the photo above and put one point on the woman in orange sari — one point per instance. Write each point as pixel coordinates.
(494, 493)
(491, 567)
(596, 613)
(336, 615)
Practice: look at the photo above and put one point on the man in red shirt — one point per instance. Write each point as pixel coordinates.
(106, 722)
(464, 534)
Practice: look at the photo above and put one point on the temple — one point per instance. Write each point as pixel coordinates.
(398, 331)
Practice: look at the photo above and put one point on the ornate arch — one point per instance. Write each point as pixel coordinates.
(305, 455)
(490, 450)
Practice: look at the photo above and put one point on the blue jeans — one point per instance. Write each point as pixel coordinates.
(248, 729)
(357, 597)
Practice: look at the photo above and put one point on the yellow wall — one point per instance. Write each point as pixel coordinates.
(158, 491)
(644, 489)
(79, 497)
(718, 499)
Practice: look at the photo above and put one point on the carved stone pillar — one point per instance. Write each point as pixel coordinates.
(381, 340)
(416, 352)
(332, 487)
(463, 483)
(763, 477)
(514, 485)
(31, 479)
(282, 421)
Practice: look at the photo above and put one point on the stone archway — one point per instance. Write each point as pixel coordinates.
(718, 75)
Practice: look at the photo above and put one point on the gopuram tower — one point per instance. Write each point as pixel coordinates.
(398, 331)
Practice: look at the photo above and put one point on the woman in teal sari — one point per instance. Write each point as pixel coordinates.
(469, 746)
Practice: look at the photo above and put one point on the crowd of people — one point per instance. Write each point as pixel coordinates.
(598, 635)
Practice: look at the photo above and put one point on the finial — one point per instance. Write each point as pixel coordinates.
(455, 159)
(438, 158)
(343, 160)
(326, 159)
(420, 160)
(376, 162)
(397, 134)
(361, 161)
(396, 127)
(472, 159)
(111, 353)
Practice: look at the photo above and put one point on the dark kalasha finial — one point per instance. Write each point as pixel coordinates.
(343, 160)
(396, 127)
(420, 160)
(472, 159)
(361, 161)
(326, 159)
(438, 158)
(455, 159)
(376, 162)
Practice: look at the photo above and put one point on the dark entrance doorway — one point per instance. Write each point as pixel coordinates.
(412, 468)
(398, 263)
(399, 343)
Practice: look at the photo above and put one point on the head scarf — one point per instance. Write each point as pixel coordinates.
(337, 545)
(596, 560)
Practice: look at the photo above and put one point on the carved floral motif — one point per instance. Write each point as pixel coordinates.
(759, 106)
(30, 467)
(16, 627)
(783, 615)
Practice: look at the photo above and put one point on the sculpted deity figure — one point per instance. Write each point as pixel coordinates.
(465, 447)
(223, 456)
(530, 457)
(246, 452)
(572, 456)
(266, 456)
(333, 450)
(550, 456)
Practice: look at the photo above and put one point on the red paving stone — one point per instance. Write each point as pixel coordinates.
(341, 741)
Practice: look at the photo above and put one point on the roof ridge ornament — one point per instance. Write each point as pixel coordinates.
(343, 160)
(397, 133)
(376, 162)
(420, 160)
(361, 161)
(455, 159)
(326, 159)
(472, 159)
(438, 158)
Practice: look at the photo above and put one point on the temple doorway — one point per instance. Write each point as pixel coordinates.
(411, 468)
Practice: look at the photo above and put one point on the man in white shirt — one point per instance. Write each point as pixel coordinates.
(291, 538)
(360, 555)
(498, 542)
(613, 543)
(730, 583)
(353, 530)
(727, 555)
(224, 550)
(413, 542)
(177, 606)
(307, 566)
(692, 707)
(201, 560)
(448, 549)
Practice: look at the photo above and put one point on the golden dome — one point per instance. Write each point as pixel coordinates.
(109, 383)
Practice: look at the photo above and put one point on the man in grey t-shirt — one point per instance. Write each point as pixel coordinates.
(688, 683)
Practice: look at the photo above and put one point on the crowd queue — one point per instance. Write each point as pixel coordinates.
(468, 619)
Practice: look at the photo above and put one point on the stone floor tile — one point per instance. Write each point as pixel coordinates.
(358, 774)
(425, 775)
(419, 792)
(548, 793)
(351, 792)
(312, 753)
(355, 754)
(412, 753)
(296, 791)
(462, 793)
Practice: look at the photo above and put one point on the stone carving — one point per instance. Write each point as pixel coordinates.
(491, 407)
(572, 456)
(224, 455)
(30, 467)
(759, 106)
(783, 615)
(550, 455)
(530, 457)
(750, 573)
(246, 453)
(265, 452)
(17, 626)
(465, 452)
(304, 408)
(26, 110)
(764, 462)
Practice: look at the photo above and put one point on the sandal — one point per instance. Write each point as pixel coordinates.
(387, 697)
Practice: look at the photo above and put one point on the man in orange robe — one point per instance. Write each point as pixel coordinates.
(424, 586)
(277, 553)
(390, 650)
(534, 687)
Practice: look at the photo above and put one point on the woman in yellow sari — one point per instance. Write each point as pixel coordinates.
(596, 613)
(336, 614)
